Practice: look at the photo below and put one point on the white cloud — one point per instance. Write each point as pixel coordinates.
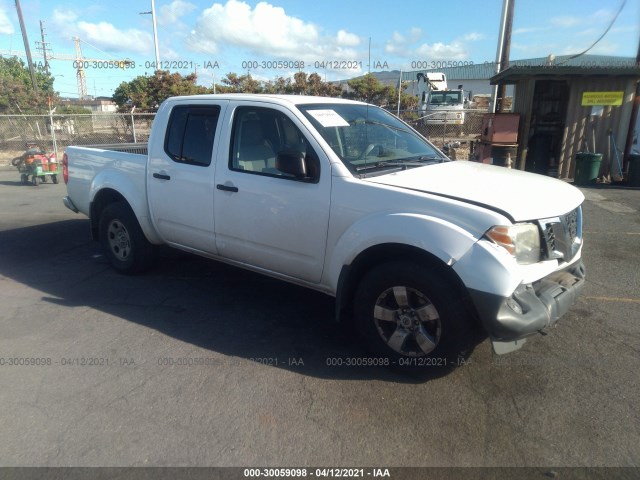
(566, 21)
(473, 37)
(64, 17)
(170, 14)
(442, 51)
(6, 27)
(106, 36)
(406, 46)
(265, 29)
(415, 34)
(347, 39)
(399, 43)
(522, 30)
(103, 35)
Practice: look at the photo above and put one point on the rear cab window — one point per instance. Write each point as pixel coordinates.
(191, 134)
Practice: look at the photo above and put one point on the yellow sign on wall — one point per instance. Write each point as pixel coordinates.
(613, 99)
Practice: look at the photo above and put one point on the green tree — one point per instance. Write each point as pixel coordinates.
(234, 83)
(16, 89)
(148, 92)
(369, 89)
(278, 86)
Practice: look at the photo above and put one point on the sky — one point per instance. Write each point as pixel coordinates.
(339, 39)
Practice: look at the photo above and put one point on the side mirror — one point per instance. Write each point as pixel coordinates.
(292, 163)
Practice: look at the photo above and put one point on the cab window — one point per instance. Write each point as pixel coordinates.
(190, 134)
(267, 142)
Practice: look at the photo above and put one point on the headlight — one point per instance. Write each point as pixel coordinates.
(521, 240)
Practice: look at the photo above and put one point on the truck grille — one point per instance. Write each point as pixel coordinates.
(571, 222)
(562, 235)
(550, 237)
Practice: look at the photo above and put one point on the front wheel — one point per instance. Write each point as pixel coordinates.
(412, 315)
(35, 180)
(123, 241)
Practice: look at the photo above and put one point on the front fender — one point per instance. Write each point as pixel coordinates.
(134, 192)
(446, 241)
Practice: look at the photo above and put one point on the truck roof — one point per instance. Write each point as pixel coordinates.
(279, 99)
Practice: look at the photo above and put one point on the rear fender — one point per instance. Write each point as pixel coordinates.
(135, 193)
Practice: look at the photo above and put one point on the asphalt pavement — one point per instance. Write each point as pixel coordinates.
(201, 364)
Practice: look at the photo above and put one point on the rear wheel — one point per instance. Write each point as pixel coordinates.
(54, 178)
(413, 316)
(123, 241)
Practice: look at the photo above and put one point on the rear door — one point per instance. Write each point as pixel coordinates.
(180, 176)
(265, 217)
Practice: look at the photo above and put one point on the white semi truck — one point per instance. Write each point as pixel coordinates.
(438, 105)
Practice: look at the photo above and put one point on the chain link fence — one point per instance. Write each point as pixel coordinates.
(53, 133)
(452, 130)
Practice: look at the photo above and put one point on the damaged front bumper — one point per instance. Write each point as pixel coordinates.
(530, 309)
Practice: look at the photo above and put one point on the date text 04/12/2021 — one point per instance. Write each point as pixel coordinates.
(317, 472)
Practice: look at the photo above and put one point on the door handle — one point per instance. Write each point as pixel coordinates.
(161, 176)
(226, 188)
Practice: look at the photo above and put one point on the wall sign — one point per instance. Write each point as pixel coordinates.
(613, 99)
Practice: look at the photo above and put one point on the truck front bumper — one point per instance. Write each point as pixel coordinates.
(530, 309)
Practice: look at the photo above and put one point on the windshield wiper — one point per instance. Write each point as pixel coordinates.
(402, 163)
(420, 158)
(373, 122)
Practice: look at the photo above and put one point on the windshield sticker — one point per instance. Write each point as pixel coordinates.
(328, 118)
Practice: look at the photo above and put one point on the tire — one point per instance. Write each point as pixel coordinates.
(16, 161)
(35, 180)
(124, 244)
(413, 316)
(54, 178)
(24, 178)
(44, 179)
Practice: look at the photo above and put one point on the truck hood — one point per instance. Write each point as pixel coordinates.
(521, 196)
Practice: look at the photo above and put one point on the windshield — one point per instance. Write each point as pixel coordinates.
(368, 139)
(445, 98)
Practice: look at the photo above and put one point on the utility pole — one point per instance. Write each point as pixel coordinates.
(499, 50)
(32, 72)
(504, 55)
(155, 31)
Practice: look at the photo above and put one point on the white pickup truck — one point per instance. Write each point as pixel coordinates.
(344, 198)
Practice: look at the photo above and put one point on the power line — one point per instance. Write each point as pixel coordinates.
(599, 38)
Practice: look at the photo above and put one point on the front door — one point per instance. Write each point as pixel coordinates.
(266, 217)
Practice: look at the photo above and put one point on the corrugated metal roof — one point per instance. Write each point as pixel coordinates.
(486, 70)
(515, 72)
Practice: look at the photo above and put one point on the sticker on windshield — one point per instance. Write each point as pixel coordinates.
(328, 118)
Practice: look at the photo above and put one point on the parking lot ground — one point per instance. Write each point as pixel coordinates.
(200, 364)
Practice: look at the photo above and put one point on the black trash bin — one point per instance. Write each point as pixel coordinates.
(633, 174)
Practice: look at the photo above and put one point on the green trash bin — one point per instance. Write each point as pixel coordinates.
(633, 174)
(587, 168)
